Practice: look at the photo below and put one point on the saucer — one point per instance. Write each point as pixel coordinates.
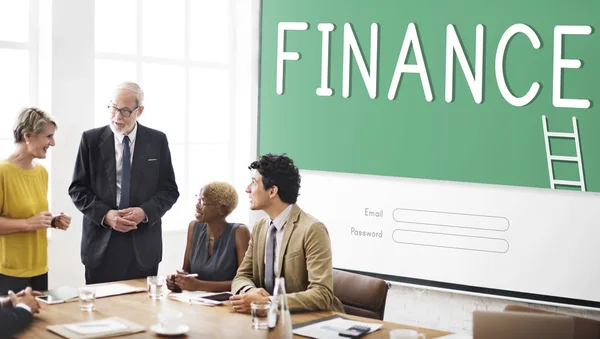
(181, 329)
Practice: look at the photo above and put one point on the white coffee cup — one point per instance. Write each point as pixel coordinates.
(169, 321)
(406, 334)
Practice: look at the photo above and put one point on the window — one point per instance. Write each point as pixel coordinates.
(180, 52)
(25, 64)
(24, 61)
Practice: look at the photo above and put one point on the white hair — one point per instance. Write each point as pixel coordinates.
(134, 88)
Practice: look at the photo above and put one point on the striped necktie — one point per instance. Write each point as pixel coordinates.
(270, 262)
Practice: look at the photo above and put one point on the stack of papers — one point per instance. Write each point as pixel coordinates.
(329, 327)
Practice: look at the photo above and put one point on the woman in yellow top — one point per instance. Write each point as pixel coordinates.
(24, 215)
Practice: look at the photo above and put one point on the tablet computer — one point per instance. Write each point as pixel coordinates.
(214, 298)
(221, 296)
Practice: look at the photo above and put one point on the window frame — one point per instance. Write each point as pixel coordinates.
(187, 193)
(39, 48)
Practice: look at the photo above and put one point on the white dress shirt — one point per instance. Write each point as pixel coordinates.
(279, 223)
(119, 153)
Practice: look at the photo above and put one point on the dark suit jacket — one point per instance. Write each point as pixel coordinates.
(13, 320)
(94, 192)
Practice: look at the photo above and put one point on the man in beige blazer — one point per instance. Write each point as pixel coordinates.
(299, 244)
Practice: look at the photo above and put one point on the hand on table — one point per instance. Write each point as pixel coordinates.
(241, 302)
(27, 297)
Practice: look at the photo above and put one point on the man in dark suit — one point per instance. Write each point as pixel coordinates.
(16, 311)
(123, 183)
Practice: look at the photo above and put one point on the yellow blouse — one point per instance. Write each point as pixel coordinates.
(23, 194)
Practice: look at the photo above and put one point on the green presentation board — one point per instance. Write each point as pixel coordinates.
(446, 90)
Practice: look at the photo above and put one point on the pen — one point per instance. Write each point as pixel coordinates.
(193, 275)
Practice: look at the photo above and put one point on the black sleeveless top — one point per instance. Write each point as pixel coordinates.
(223, 263)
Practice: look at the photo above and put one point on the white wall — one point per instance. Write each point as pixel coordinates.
(73, 106)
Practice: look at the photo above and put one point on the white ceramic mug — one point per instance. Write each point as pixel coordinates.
(406, 334)
(170, 321)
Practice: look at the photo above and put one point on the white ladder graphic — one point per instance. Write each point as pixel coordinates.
(550, 157)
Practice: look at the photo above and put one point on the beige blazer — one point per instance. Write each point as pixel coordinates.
(304, 262)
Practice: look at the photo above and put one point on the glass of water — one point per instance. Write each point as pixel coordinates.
(87, 298)
(155, 286)
(260, 311)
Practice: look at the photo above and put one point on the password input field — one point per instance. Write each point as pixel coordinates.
(453, 241)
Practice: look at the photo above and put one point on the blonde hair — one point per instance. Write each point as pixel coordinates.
(223, 194)
(31, 120)
(134, 88)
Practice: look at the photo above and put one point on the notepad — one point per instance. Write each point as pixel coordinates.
(97, 327)
(103, 328)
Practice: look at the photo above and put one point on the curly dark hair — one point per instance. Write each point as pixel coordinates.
(280, 171)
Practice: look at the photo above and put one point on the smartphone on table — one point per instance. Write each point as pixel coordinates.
(355, 331)
(48, 299)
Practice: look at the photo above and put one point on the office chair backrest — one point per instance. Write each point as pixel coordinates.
(361, 295)
(520, 325)
(584, 328)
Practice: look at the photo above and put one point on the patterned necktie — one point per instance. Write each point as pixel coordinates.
(125, 174)
(270, 264)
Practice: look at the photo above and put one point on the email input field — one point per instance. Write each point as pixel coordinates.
(447, 219)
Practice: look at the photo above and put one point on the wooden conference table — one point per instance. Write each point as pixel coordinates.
(204, 321)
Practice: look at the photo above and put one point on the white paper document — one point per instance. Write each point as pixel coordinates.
(116, 289)
(97, 327)
(195, 298)
(330, 328)
(63, 293)
(457, 336)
